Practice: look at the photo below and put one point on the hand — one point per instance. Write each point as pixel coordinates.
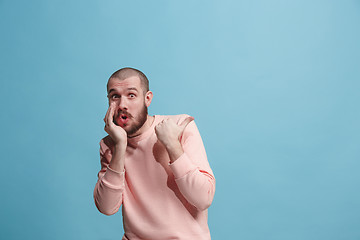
(169, 133)
(117, 133)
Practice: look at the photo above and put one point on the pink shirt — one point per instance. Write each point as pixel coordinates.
(159, 200)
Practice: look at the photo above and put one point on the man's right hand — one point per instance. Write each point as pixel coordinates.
(119, 136)
(117, 133)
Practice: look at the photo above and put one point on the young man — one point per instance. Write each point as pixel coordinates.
(154, 166)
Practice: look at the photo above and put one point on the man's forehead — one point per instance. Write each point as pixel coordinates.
(130, 82)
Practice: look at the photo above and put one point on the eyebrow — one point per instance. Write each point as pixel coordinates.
(129, 89)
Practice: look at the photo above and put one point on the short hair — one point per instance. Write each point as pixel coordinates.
(127, 72)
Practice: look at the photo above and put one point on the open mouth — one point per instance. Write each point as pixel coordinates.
(123, 119)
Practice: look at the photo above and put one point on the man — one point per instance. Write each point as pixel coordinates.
(154, 166)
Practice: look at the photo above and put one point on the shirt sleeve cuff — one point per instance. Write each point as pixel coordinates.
(114, 179)
(182, 166)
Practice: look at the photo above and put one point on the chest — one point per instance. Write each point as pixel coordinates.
(147, 162)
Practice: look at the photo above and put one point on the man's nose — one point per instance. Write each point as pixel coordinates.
(122, 104)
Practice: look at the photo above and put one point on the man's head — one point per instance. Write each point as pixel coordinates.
(128, 89)
(128, 72)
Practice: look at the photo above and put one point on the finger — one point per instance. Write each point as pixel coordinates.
(106, 129)
(107, 113)
(110, 119)
(186, 122)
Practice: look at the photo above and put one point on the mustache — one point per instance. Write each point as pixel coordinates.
(124, 112)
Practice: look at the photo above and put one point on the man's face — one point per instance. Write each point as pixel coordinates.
(131, 103)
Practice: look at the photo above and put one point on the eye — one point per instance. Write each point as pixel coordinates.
(132, 95)
(114, 96)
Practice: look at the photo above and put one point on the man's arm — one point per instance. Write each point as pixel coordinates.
(188, 161)
(111, 178)
(108, 192)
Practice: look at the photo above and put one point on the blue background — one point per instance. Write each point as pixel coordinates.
(273, 86)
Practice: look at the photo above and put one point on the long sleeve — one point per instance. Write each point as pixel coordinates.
(108, 192)
(159, 201)
(192, 171)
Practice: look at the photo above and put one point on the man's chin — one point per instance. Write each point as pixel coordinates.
(130, 130)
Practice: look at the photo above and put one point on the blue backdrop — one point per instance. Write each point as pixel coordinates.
(273, 86)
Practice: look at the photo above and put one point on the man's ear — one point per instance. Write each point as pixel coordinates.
(148, 98)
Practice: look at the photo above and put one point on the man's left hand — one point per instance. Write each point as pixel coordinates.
(169, 133)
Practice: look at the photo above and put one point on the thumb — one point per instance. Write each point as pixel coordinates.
(186, 122)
